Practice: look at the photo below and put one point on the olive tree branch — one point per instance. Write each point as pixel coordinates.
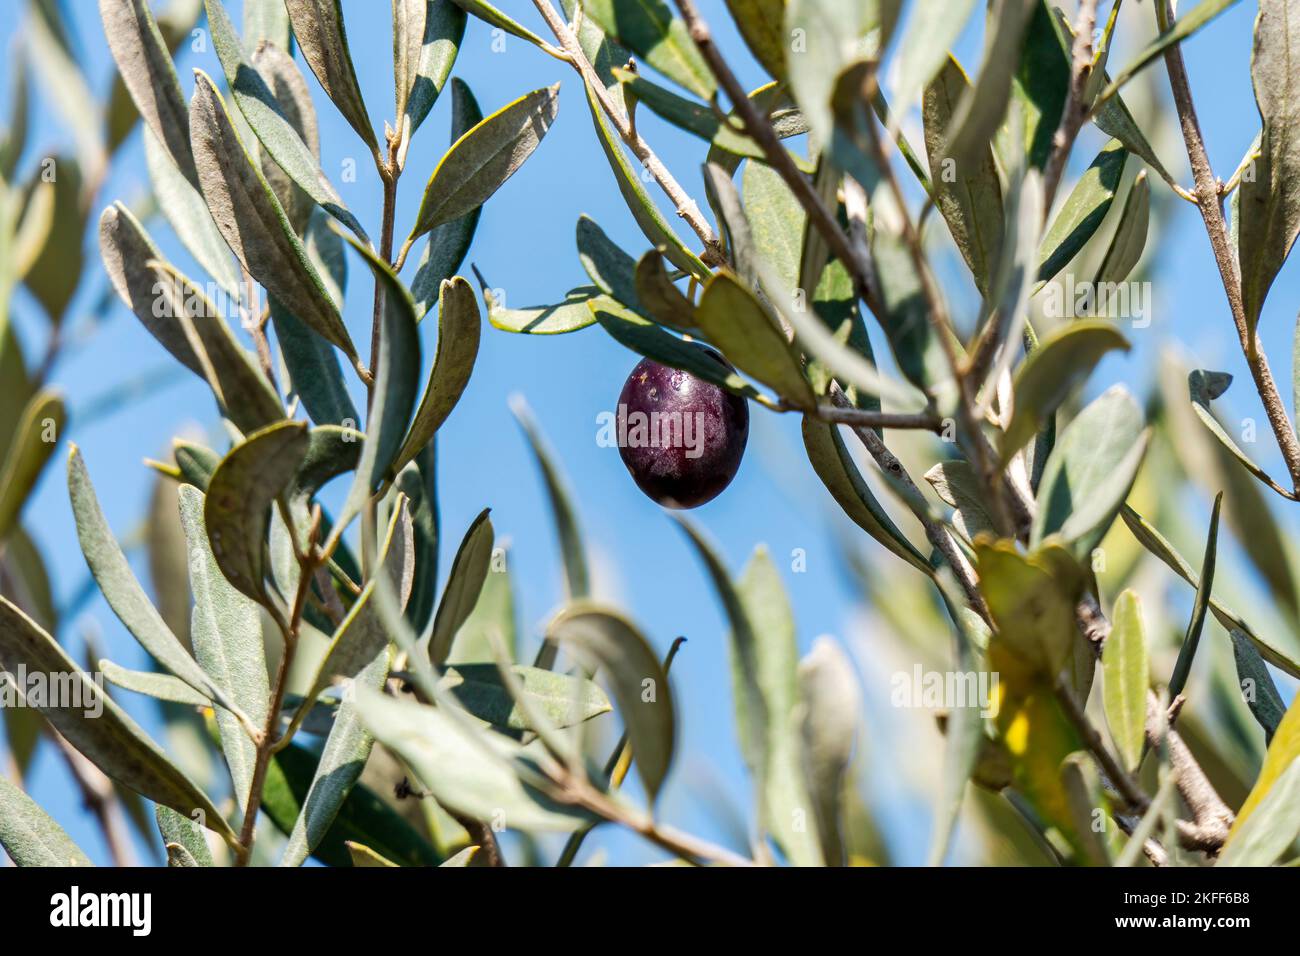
(937, 534)
(308, 561)
(864, 418)
(1211, 817)
(1209, 196)
(687, 208)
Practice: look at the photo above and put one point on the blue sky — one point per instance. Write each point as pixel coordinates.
(525, 244)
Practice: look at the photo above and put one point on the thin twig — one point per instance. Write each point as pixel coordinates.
(937, 534)
(863, 418)
(687, 208)
(1209, 200)
(1211, 818)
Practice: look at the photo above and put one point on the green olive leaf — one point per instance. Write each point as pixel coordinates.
(227, 635)
(318, 27)
(240, 495)
(445, 249)
(459, 327)
(605, 641)
(252, 220)
(1126, 676)
(30, 836)
(481, 160)
(112, 741)
(145, 65)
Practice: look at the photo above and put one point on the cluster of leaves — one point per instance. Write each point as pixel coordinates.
(1036, 484)
(1024, 489)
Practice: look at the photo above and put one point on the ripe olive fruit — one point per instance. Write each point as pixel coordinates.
(681, 438)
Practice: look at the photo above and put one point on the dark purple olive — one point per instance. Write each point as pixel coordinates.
(681, 438)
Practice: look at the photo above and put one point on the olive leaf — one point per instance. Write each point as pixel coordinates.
(610, 269)
(648, 339)
(30, 836)
(604, 640)
(145, 65)
(227, 636)
(318, 27)
(1063, 361)
(1282, 754)
(1257, 685)
(240, 495)
(252, 220)
(273, 98)
(563, 699)
(1083, 211)
(240, 387)
(471, 772)
(734, 320)
(427, 71)
(113, 741)
(363, 856)
(1130, 238)
(347, 748)
(1090, 471)
(447, 244)
(649, 29)
(126, 248)
(267, 20)
(834, 35)
(971, 200)
(1272, 828)
(568, 316)
(364, 816)
(32, 446)
(183, 206)
(482, 159)
(458, 338)
(157, 686)
(831, 701)
(980, 112)
(122, 590)
(933, 27)
(492, 15)
(831, 461)
(395, 386)
(469, 569)
(1267, 220)
(53, 274)
(1126, 677)
(659, 296)
(1031, 598)
(312, 363)
(185, 833)
(492, 620)
(572, 549)
(1195, 625)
